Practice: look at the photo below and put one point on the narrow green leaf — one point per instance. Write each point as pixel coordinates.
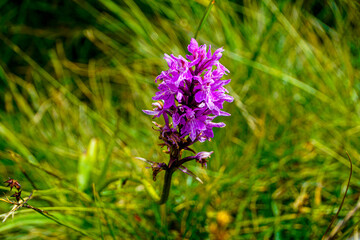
(11, 138)
(206, 14)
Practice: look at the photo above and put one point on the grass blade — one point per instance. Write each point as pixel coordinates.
(206, 14)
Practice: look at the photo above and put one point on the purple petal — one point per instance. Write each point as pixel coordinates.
(209, 52)
(200, 96)
(149, 112)
(218, 53)
(193, 46)
(204, 155)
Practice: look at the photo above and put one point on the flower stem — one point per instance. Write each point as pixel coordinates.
(163, 217)
(167, 184)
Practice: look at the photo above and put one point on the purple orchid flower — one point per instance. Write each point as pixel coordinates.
(191, 95)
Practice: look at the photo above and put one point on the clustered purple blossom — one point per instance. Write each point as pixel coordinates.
(191, 95)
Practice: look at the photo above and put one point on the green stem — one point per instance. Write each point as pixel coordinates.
(206, 14)
(167, 184)
(163, 217)
(175, 156)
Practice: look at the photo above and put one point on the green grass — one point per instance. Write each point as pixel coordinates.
(75, 75)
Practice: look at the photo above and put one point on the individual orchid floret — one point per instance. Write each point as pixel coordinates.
(202, 156)
(158, 109)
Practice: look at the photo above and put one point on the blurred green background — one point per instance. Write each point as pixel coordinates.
(75, 76)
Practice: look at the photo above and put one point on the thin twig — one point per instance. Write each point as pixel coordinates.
(342, 202)
(342, 223)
